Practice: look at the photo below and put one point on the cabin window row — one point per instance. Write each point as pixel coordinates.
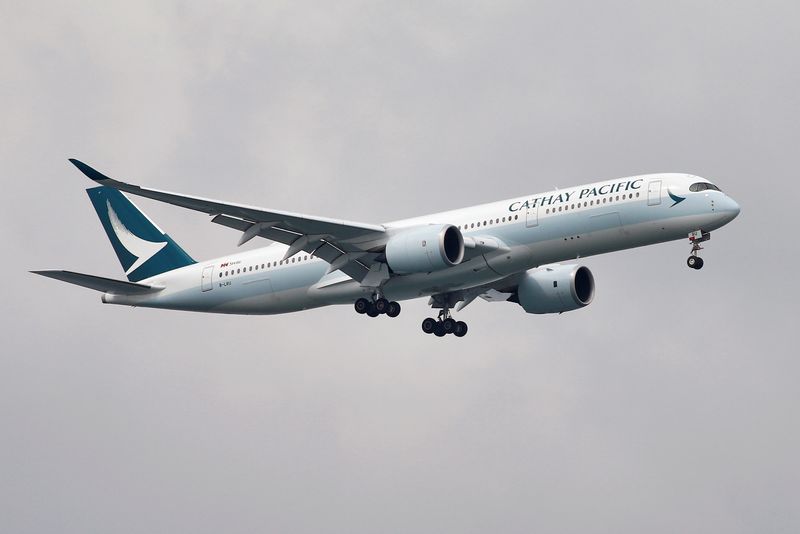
(589, 203)
(267, 265)
(488, 222)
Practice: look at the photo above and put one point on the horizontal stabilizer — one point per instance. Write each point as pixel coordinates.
(98, 283)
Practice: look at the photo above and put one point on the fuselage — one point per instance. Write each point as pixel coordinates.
(521, 233)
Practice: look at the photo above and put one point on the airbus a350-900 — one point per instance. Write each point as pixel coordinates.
(502, 251)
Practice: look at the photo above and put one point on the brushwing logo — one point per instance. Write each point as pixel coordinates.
(141, 248)
(675, 198)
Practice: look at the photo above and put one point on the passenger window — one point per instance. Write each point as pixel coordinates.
(617, 197)
(220, 275)
(472, 225)
(516, 217)
(637, 194)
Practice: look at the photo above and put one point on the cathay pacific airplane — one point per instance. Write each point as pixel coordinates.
(503, 251)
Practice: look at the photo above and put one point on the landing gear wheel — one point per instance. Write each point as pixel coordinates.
(695, 262)
(372, 310)
(381, 305)
(449, 325)
(429, 325)
(438, 330)
(361, 305)
(393, 310)
(460, 329)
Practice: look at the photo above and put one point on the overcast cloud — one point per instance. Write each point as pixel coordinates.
(669, 405)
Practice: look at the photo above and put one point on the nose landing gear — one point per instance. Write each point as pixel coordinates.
(695, 238)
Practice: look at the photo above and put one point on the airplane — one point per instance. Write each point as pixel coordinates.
(506, 251)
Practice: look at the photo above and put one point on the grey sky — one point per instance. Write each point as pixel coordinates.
(669, 405)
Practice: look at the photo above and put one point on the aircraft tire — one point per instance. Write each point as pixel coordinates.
(429, 325)
(449, 325)
(461, 329)
(361, 305)
(381, 305)
(393, 310)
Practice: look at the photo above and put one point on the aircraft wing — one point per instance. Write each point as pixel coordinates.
(347, 246)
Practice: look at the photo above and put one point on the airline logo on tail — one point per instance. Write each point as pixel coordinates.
(141, 248)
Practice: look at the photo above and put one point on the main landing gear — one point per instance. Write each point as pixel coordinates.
(377, 306)
(444, 325)
(695, 238)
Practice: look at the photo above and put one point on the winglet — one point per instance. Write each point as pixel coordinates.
(90, 172)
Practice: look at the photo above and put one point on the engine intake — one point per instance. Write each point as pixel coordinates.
(425, 249)
(556, 289)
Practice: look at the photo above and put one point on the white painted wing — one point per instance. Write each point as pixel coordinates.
(344, 244)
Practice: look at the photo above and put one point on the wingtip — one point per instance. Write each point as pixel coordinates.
(91, 173)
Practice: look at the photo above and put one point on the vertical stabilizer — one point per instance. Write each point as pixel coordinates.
(143, 249)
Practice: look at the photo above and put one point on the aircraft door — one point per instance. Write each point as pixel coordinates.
(207, 279)
(532, 217)
(654, 193)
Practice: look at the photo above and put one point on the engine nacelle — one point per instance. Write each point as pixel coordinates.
(556, 289)
(425, 249)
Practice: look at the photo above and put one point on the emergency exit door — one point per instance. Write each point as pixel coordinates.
(654, 193)
(207, 280)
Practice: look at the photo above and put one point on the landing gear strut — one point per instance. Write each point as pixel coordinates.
(444, 325)
(695, 238)
(377, 306)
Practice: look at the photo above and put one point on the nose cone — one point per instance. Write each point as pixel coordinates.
(730, 209)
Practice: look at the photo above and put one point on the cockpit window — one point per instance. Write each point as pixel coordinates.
(702, 186)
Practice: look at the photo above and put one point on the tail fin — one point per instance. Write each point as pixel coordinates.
(142, 248)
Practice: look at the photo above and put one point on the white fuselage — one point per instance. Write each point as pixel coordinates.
(531, 231)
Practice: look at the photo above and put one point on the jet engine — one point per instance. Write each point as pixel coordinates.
(556, 289)
(425, 249)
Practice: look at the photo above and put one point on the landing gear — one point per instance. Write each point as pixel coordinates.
(695, 238)
(376, 307)
(695, 262)
(444, 325)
